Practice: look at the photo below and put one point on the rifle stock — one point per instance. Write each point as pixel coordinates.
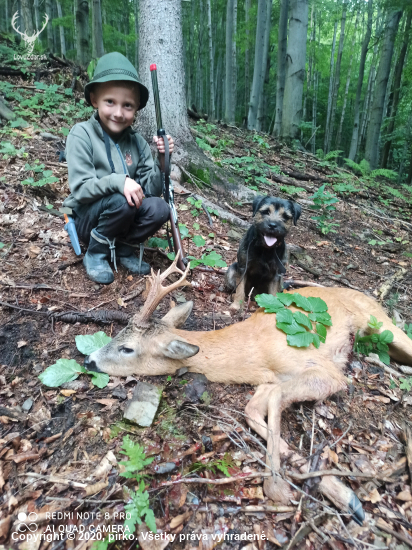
(177, 242)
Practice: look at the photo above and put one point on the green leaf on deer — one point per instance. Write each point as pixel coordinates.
(316, 341)
(269, 302)
(286, 299)
(284, 316)
(99, 379)
(89, 343)
(302, 319)
(301, 340)
(318, 305)
(384, 356)
(64, 370)
(290, 328)
(321, 330)
(323, 318)
(302, 302)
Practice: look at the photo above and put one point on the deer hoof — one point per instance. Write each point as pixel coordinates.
(277, 490)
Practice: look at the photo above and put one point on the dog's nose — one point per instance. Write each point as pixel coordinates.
(273, 225)
(90, 365)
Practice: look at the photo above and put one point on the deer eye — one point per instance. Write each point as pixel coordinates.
(126, 350)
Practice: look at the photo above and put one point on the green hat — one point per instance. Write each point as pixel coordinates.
(115, 66)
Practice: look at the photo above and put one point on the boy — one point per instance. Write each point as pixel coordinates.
(111, 171)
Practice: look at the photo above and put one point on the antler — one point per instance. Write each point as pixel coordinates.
(13, 21)
(44, 25)
(157, 291)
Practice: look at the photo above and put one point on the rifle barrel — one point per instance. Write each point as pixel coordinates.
(156, 97)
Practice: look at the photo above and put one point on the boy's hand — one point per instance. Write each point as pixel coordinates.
(133, 192)
(161, 146)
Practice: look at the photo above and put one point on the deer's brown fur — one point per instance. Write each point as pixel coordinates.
(255, 352)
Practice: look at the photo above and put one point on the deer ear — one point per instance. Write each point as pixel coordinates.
(177, 316)
(178, 349)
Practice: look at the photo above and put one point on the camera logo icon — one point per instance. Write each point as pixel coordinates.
(30, 519)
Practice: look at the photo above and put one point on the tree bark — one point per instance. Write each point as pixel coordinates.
(397, 89)
(373, 134)
(211, 65)
(258, 72)
(98, 49)
(348, 79)
(49, 27)
(409, 178)
(230, 95)
(161, 42)
(247, 59)
(61, 28)
(331, 80)
(281, 65)
(295, 73)
(82, 27)
(336, 82)
(136, 31)
(27, 18)
(364, 52)
(265, 67)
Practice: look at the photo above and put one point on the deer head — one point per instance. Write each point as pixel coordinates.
(147, 346)
(28, 40)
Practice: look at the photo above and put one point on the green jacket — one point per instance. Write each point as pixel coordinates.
(90, 175)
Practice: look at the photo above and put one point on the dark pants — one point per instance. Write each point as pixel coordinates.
(113, 217)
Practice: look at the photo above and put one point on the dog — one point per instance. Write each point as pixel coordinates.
(262, 253)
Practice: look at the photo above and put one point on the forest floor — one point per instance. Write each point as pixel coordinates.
(54, 442)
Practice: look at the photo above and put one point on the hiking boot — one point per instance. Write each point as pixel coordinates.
(95, 260)
(126, 256)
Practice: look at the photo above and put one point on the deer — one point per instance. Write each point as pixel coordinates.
(28, 40)
(255, 352)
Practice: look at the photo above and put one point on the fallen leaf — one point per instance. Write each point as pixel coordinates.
(95, 488)
(404, 495)
(107, 402)
(67, 393)
(21, 343)
(373, 496)
(121, 303)
(178, 520)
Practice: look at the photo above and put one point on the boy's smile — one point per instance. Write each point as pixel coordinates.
(117, 103)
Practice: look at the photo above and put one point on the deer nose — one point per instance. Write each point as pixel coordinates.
(90, 365)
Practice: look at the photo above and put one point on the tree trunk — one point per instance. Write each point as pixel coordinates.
(247, 61)
(348, 79)
(49, 27)
(265, 67)
(36, 14)
(330, 95)
(136, 31)
(336, 82)
(364, 52)
(158, 44)
(27, 18)
(295, 73)
(82, 26)
(258, 72)
(281, 65)
(372, 138)
(61, 28)
(98, 49)
(7, 14)
(409, 178)
(211, 67)
(230, 95)
(396, 90)
(314, 109)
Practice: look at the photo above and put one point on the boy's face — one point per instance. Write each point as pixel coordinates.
(117, 103)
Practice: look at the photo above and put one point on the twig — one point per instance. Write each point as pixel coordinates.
(55, 479)
(209, 217)
(6, 304)
(223, 481)
(337, 473)
(248, 303)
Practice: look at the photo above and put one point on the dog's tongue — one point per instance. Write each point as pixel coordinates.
(270, 241)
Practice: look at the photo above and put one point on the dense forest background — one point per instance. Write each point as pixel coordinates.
(332, 76)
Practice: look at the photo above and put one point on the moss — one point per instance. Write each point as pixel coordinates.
(202, 174)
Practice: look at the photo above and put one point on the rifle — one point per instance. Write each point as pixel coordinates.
(168, 192)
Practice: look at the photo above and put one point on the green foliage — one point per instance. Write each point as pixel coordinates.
(138, 505)
(8, 150)
(368, 175)
(324, 201)
(297, 325)
(157, 242)
(199, 240)
(213, 259)
(291, 190)
(222, 465)
(67, 370)
(408, 330)
(264, 145)
(375, 342)
(46, 176)
(405, 384)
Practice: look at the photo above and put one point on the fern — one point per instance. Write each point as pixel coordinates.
(320, 153)
(383, 173)
(354, 166)
(332, 155)
(365, 167)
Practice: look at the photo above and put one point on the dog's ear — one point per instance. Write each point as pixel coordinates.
(257, 202)
(296, 210)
